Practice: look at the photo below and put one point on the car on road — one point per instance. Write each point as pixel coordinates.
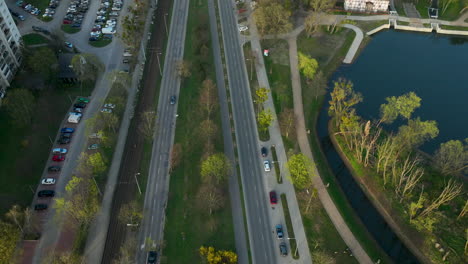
(59, 151)
(283, 249)
(111, 106)
(54, 169)
(173, 100)
(106, 110)
(48, 181)
(264, 151)
(152, 257)
(68, 44)
(67, 130)
(80, 105)
(40, 207)
(279, 231)
(93, 146)
(266, 165)
(58, 158)
(273, 198)
(46, 193)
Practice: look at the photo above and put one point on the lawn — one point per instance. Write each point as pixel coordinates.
(34, 39)
(189, 225)
(100, 43)
(31, 144)
(453, 10)
(67, 28)
(454, 27)
(41, 4)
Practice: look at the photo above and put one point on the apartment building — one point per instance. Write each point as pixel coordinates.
(10, 51)
(372, 6)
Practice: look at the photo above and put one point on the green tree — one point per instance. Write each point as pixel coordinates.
(110, 120)
(271, 18)
(19, 105)
(216, 168)
(9, 236)
(130, 213)
(312, 22)
(307, 65)
(452, 157)
(416, 133)
(301, 169)
(261, 95)
(210, 255)
(265, 119)
(399, 106)
(87, 66)
(43, 61)
(97, 163)
(343, 98)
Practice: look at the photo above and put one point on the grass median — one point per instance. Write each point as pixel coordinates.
(289, 227)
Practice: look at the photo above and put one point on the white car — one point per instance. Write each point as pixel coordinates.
(242, 28)
(48, 181)
(111, 106)
(266, 165)
(59, 151)
(106, 110)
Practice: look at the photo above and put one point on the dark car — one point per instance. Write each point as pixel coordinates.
(152, 257)
(66, 135)
(67, 130)
(46, 193)
(264, 151)
(93, 39)
(279, 231)
(54, 169)
(273, 199)
(173, 99)
(64, 140)
(283, 249)
(80, 105)
(39, 207)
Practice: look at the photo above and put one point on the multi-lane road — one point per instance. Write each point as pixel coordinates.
(261, 237)
(158, 178)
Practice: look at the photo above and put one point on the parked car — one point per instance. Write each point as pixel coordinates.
(279, 231)
(54, 169)
(264, 151)
(95, 135)
(58, 158)
(66, 135)
(48, 181)
(93, 146)
(283, 249)
(64, 140)
(67, 130)
(126, 61)
(80, 105)
(106, 110)
(40, 207)
(59, 151)
(78, 110)
(83, 100)
(273, 198)
(173, 100)
(111, 106)
(152, 257)
(266, 165)
(46, 193)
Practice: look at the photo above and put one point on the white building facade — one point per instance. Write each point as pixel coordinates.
(10, 50)
(366, 5)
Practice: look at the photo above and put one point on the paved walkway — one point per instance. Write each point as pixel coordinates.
(355, 45)
(303, 141)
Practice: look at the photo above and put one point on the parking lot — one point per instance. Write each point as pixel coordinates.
(106, 20)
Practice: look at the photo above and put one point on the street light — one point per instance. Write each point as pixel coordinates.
(159, 63)
(295, 252)
(136, 180)
(251, 61)
(165, 24)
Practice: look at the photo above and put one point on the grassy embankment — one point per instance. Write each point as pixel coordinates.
(34, 39)
(189, 224)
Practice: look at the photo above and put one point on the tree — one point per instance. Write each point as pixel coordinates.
(208, 129)
(265, 119)
(451, 190)
(319, 85)
(416, 133)
(15, 214)
(42, 61)
(9, 236)
(97, 163)
(183, 68)
(19, 105)
(176, 155)
(130, 213)
(261, 95)
(321, 257)
(110, 120)
(87, 66)
(210, 255)
(216, 168)
(127, 252)
(463, 211)
(343, 98)
(301, 169)
(272, 18)
(147, 124)
(319, 5)
(287, 122)
(312, 22)
(210, 197)
(399, 106)
(452, 157)
(445, 4)
(56, 257)
(208, 96)
(118, 77)
(307, 65)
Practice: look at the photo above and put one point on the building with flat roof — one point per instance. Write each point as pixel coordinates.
(10, 51)
(371, 6)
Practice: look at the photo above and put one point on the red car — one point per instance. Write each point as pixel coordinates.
(273, 199)
(66, 22)
(58, 158)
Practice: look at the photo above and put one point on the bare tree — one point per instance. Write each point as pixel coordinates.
(451, 190)
(208, 97)
(211, 196)
(287, 121)
(183, 68)
(147, 124)
(15, 214)
(463, 211)
(176, 155)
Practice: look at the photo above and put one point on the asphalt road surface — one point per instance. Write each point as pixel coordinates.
(256, 199)
(158, 177)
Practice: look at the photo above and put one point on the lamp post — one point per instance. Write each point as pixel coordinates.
(136, 180)
(159, 63)
(251, 62)
(295, 252)
(165, 24)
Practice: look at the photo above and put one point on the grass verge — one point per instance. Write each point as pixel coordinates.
(34, 39)
(67, 28)
(453, 27)
(279, 179)
(100, 43)
(289, 227)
